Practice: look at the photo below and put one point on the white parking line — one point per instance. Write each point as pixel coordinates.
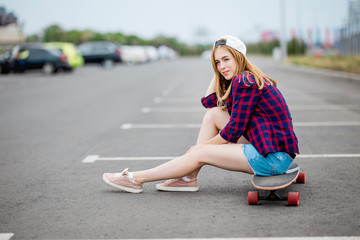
(165, 92)
(175, 100)
(170, 88)
(173, 110)
(197, 125)
(354, 155)
(189, 125)
(324, 107)
(335, 107)
(262, 238)
(6, 236)
(94, 158)
(326, 124)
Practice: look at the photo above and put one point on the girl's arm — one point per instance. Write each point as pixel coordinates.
(244, 99)
(217, 140)
(211, 88)
(210, 99)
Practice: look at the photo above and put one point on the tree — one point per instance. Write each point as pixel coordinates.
(73, 36)
(54, 33)
(115, 37)
(134, 40)
(86, 36)
(33, 38)
(263, 47)
(296, 47)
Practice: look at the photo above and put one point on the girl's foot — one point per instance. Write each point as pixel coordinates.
(122, 181)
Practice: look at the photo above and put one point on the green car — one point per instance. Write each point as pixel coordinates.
(74, 58)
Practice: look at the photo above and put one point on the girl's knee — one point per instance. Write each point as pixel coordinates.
(213, 111)
(216, 115)
(198, 153)
(209, 115)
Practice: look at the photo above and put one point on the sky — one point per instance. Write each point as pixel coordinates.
(190, 21)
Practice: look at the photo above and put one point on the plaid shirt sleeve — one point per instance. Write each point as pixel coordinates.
(245, 96)
(210, 101)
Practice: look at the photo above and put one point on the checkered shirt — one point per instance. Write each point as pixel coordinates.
(261, 116)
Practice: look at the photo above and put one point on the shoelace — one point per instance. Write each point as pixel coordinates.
(122, 174)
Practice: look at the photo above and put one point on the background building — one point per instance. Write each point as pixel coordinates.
(350, 33)
(10, 31)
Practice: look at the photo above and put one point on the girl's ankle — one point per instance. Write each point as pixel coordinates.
(136, 178)
(189, 178)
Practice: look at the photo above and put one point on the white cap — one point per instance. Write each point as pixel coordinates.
(232, 42)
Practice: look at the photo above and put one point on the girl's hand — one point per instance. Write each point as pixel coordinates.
(190, 149)
(193, 148)
(211, 87)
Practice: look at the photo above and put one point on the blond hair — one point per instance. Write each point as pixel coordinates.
(223, 86)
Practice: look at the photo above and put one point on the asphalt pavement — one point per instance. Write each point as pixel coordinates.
(60, 133)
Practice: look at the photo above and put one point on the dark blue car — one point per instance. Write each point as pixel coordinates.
(47, 60)
(105, 53)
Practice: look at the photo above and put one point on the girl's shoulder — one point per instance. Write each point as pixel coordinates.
(244, 79)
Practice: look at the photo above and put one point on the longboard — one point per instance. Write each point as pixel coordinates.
(277, 182)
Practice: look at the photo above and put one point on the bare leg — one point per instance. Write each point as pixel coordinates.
(226, 156)
(214, 120)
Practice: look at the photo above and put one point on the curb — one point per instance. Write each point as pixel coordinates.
(325, 72)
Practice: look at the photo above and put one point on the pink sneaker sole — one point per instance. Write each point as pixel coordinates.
(177, 189)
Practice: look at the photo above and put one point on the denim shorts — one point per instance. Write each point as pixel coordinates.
(273, 164)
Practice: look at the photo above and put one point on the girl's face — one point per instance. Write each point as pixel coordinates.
(225, 63)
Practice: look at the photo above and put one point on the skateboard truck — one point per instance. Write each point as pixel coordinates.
(273, 196)
(292, 197)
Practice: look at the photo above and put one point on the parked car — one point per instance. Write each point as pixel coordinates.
(21, 59)
(152, 53)
(74, 58)
(167, 53)
(105, 53)
(134, 54)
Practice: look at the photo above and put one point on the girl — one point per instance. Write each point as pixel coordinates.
(244, 107)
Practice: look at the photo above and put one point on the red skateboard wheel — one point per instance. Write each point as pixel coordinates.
(293, 199)
(301, 177)
(253, 198)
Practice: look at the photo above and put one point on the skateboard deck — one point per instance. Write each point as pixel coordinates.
(273, 183)
(277, 181)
